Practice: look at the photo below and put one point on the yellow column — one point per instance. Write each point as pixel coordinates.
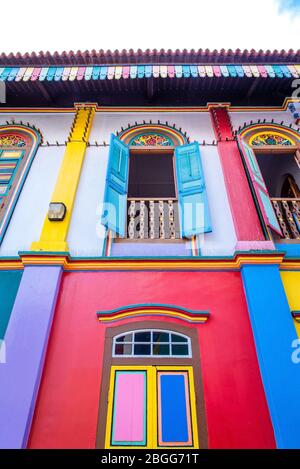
(291, 283)
(54, 233)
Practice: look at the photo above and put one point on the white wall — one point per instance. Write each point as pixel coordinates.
(222, 239)
(54, 126)
(30, 211)
(86, 234)
(238, 118)
(196, 125)
(32, 206)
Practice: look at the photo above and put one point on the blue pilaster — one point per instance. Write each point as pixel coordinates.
(274, 333)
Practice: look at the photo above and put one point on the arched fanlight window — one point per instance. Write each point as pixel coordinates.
(18, 145)
(269, 151)
(152, 343)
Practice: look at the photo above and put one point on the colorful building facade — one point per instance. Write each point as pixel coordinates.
(150, 250)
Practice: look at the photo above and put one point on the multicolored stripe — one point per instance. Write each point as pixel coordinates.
(110, 72)
(70, 264)
(133, 311)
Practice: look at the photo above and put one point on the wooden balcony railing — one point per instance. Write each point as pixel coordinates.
(288, 215)
(153, 219)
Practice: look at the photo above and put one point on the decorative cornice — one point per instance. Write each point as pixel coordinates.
(137, 310)
(110, 264)
(106, 264)
(148, 70)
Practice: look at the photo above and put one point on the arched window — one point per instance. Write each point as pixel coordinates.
(18, 145)
(151, 393)
(272, 151)
(152, 343)
(155, 189)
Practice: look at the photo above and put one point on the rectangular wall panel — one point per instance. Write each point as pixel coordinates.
(174, 415)
(129, 409)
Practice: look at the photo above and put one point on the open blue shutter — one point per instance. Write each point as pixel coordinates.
(194, 210)
(115, 196)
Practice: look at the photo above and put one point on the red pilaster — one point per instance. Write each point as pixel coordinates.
(248, 229)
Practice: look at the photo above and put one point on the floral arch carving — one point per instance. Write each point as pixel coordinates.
(269, 135)
(161, 135)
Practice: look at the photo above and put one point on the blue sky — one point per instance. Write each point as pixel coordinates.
(141, 24)
(290, 5)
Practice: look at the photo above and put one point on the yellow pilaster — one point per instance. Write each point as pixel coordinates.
(291, 282)
(54, 233)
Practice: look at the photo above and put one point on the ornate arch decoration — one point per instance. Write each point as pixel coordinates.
(269, 135)
(158, 135)
(18, 146)
(138, 310)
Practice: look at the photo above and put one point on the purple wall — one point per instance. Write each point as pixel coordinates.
(26, 343)
(150, 249)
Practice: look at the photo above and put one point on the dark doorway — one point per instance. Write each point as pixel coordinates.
(151, 175)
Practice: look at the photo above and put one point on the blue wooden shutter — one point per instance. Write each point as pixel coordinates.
(260, 189)
(194, 210)
(115, 196)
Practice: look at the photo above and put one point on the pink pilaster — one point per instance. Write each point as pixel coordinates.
(246, 221)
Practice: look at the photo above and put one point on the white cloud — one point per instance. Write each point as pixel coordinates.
(124, 24)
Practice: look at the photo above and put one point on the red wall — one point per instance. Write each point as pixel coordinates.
(67, 407)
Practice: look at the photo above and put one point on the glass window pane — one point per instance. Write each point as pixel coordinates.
(142, 349)
(178, 338)
(161, 349)
(125, 338)
(142, 336)
(180, 349)
(161, 337)
(123, 349)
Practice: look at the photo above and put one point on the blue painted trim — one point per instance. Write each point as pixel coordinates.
(103, 72)
(191, 191)
(141, 71)
(290, 250)
(51, 73)
(58, 73)
(274, 333)
(5, 73)
(232, 70)
(13, 74)
(174, 416)
(116, 186)
(96, 73)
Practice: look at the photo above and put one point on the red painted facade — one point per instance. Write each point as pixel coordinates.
(243, 210)
(67, 408)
